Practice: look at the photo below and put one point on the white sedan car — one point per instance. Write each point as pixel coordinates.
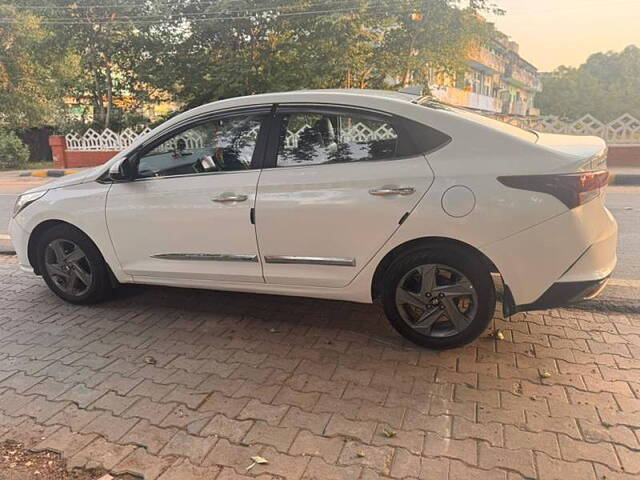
(351, 195)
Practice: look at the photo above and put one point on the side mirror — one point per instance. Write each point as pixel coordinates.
(122, 171)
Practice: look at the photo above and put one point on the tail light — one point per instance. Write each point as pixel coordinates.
(572, 189)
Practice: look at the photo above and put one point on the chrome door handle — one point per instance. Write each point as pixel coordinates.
(226, 198)
(386, 191)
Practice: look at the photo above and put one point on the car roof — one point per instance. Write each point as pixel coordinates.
(351, 91)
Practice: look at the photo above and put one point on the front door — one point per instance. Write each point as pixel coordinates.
(187, 215)
(339, 184)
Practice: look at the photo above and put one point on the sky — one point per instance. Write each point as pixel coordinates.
(566, 32)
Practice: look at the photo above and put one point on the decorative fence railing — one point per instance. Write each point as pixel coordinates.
(108, 140)
(625, 130)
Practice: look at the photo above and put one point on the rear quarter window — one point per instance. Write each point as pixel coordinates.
(420, 139)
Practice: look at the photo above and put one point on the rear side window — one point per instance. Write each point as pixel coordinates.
(316, 138)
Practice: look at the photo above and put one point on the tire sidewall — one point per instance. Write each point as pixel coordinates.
(99, 283)
(475, 271)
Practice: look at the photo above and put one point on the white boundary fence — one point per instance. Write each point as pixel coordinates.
(625, 130)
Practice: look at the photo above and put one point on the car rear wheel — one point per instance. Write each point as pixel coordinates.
(439, 298)
(72, 266)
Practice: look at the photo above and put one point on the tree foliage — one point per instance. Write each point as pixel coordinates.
(204, 50)
(606, 86)
(34, 70)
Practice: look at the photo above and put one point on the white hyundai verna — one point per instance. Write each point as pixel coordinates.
(350, 195)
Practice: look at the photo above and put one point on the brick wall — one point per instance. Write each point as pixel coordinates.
(624, 156)
(63, 158)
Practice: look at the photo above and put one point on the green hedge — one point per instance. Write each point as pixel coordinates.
(13, 153)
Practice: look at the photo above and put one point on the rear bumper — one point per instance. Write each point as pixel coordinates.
(561, 294)
(577, 246)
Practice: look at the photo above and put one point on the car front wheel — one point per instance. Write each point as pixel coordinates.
(72, 265)
(439, 298)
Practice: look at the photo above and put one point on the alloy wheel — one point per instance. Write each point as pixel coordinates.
(68, 266)
(436, 300)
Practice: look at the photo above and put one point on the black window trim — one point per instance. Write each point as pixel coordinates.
(257, 159)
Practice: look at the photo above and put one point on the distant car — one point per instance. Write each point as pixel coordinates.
(349, 195)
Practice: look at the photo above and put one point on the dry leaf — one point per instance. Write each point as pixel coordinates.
(150, 360)
(389, 433)
(360, 455)
(257, 460)
(545, 374)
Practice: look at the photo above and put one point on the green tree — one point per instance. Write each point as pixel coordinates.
(606, 86)
(34, 71)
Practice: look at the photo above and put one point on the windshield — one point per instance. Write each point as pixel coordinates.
(507, 128)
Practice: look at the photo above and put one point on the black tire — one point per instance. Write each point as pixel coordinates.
(99, 287)
(473, 268)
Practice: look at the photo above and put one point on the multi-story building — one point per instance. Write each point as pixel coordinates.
(499, 80)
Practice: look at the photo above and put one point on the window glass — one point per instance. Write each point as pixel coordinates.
(318, 138)
(225, 144)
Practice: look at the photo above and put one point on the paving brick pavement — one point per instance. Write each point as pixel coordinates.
(180, 384)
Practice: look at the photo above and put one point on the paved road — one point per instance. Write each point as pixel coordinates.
(184, 384)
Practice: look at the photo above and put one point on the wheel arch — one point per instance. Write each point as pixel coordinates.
(418, 244)
(40, 229)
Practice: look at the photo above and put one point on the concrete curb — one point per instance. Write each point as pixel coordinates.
(47, 173)
(624, 179)
(6, 247)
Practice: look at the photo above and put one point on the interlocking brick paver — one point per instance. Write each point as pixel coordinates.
(232, 455)
(307, 443)
(278, 437)
(256, 410)
(376, 458)
(554, 469)
(221, 426)
(340, 426)
(100, 453)
(495, 457)
(314, 422)
(437, 446)
(143, 464)
(299, 383)
(184, 445)
(183, 469)
(461, 471)
(318, 469)
(146, 435)
(81, 395)
(154, 391)
(41, 409)
(573, 450)
(65, 442)
(110, 426)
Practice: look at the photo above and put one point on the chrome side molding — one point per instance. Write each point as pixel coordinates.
(209, 257)
(288, 259)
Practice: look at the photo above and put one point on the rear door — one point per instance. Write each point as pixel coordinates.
(337, 185)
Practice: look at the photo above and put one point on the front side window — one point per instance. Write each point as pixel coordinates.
(309, 138)
(220, 145)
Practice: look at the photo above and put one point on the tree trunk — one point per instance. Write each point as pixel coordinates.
(107, 117)
(97, 94)
(406, 78)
